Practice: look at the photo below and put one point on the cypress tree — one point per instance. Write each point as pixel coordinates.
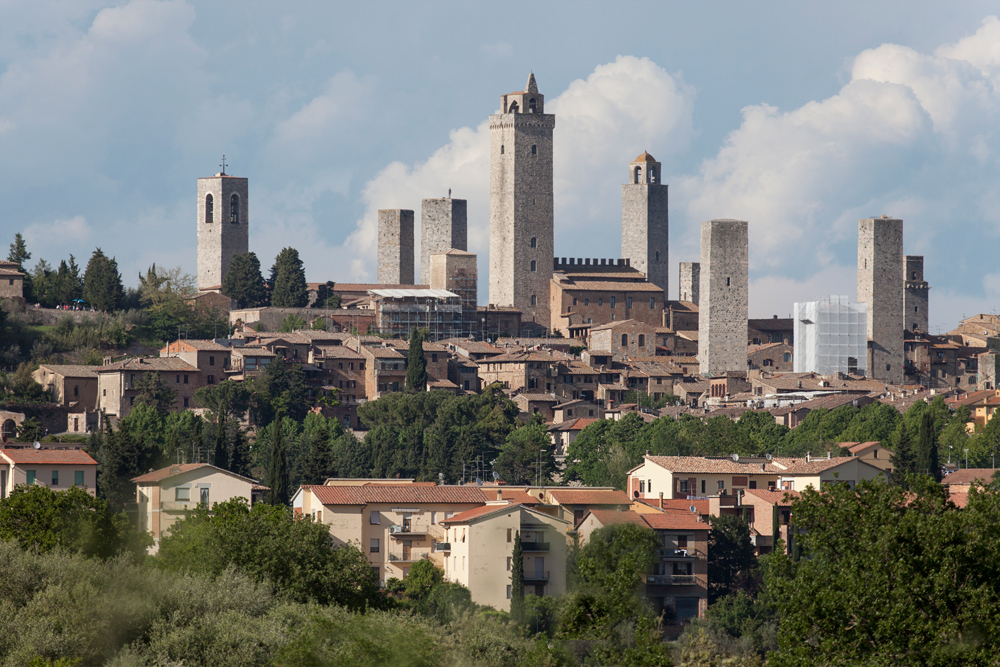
(243, 282)
(221, 458)
(288, 280)
(904, 460)
(102, 284)
(278, 473)
(416, 363)
(517, 580)
(927, 451)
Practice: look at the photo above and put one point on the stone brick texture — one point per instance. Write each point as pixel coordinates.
(722, 322)
(645, 226)
(916, 315)
(881, 286)
(395, 247)
(443, 225)
(219, 237)
(689, 282)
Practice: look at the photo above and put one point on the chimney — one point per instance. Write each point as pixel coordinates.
(661, 499)
(499, 494)
(808, 456)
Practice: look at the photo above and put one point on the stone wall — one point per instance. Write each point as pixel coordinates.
(456, 272)
(443, 225)
(689, 283)
(645, 230)
(395, 247)
(916, 314)
(881, 286)
(223, 232)
(722, 322)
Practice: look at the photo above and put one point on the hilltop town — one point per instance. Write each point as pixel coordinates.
(499, 445)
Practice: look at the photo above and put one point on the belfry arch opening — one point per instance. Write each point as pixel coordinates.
(234, 209)
(209, 209)
(638, 175)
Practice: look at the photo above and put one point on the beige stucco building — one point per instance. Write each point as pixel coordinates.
(166, 495)
(479, 546)
(58, 469)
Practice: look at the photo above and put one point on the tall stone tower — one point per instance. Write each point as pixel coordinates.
(690, 278)
(455, 270)
(915, 302)
(223, 226)
(443, 225)
(880, 285)
(645, 220)
(722, 316)
(395, 246)
(521, 208)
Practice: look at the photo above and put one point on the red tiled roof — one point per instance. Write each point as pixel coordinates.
(478, 512)
(169, 471)
(589, 497)
(969, 475)
(518, 496)
(683, 504)
(774, 497)
(857, 447)
(49, 456)
(402, 493)
(674, 521)
(612, 517)
(960, 498)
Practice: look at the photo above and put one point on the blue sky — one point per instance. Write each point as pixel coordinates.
(798, 117)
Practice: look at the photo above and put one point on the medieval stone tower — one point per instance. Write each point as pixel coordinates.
(443, 226)
(915, 297)
(395, 246)
(880, 285)
(521, 208)
(223, 226)
(722, 316)
(690, 278)
(644, 220)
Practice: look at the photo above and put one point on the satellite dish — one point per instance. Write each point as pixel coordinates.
(37, 445)
(694, 510)
(736, 457)
(767, 456)
(479, 481)
(496, 475)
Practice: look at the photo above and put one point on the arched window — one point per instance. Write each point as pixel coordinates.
(652, 176)
(234, 209)
(638, 175)
(532, 266)
(625, 340)
(531, 105)
(501, 149)
(787, 357)
(209, 210)
(512, 108)
(534, 149)
(913, 276)
(533, 300)
(534, 242)
(642, 340)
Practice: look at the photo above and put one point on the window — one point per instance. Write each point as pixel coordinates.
(727, 282)
(185, 378)
(532, 266)
(104, 392)
(55, 478)
(642, 486)
(533, 300)
(509, 530)
(234, 209)
(182, 493)
(211, 379)
(682, 541)
(534, 149)
(211, 360)
(31, 480)
(131, 400)
(510, 563)
(373, 546)
(374, 519)
(787, 356)
(682, 485)
(76, 390)
(209, 209)
(178, 378)
(652, 303)
(78, 477)
(628, 302)
(753, 484)
(600, 301)
(531, 105)
(586, 302)
(501, 149)
(612, 302)
(203, 496)
(624, 340)
(642, 340)
(721, 485)
(186, 399)
(534, 242)
(574, 301)
(703, 486)
(508, 591)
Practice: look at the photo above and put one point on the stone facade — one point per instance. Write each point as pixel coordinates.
(880, 285)
(223, 226)
(690, 277)
(915, 296)
(443, 226)
(395, 246)
(645, 220)
(722, 322)
(456, 271)
(521, 204)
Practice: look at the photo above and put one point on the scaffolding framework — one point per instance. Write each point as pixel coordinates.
(831, 336)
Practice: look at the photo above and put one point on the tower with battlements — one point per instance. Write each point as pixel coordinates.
(723, 295)
(881, 286)
(915, 297)
(223, 226)
(645, 221)
(521, 204)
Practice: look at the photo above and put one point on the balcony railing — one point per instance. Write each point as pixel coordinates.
(442, 546)
(535, 546)
(409, 530)
(536, 576)
(671, 552)
(412, 558)
(670, 579)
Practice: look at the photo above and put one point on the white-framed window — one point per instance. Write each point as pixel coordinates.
(182, 493)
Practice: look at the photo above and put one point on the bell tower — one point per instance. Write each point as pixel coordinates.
(645, 223)
(223, 226)
(521, 204)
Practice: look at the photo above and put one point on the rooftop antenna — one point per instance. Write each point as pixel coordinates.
(223, 165)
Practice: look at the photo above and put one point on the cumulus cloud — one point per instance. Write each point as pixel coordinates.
(602, 123)
(58, 233)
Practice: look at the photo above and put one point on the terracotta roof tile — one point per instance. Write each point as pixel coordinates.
(780, 498)
(585, 496)
(403, 493)
(613, 517)
(28, 456)
(970, 475)
(478, 512)
(674, 521)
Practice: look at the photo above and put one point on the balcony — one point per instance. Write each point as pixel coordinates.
(681, 553)
(412, 558)
(442, 547)
(177, 505)
(407, 531)
(535, 546)
(671, 580)
(531, 577)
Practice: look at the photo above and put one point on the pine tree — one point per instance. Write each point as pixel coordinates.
(517, 580)
(102, 284)
(278, 473)
(288, 280)
(243, 282)
(416, 363)
(904, 460)
(927, 451)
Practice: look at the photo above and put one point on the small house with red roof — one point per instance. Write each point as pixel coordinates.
(871, 452)
(58, 468)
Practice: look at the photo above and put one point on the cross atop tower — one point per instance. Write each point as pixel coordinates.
(223, 164)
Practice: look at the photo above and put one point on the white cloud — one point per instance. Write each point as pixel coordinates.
(50, 239)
